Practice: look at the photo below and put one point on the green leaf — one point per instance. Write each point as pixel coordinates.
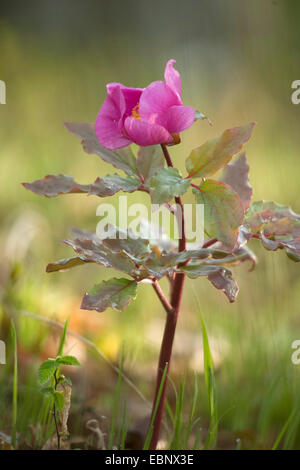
(156, 235)
(115, 293)
(223, 210)
(237, 256)
(149, 161)
(68, 361)
(197, 270)
(123, 159)
(159, 265)
(66, 263)
(46, 371)
(124, 253)
(277, 226)
(82, 234)
(97, 252)
(216, 153)
(59, 400)
(236, 175)
(112, 184)
(126, 241)
(166, 184)
(264, 213)
(220, 277)
(53, 185)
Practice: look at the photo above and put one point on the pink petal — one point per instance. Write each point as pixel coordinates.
(125, 98)
(155, 100)
(132, 97)
(178, 118)
(108, 131)
(114, 91)
(172, 78)
(144, 133)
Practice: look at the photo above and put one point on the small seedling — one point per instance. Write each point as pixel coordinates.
(55, 386)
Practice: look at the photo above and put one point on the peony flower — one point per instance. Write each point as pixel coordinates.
(149, 116)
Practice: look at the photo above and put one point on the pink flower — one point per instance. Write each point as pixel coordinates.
(149, 116)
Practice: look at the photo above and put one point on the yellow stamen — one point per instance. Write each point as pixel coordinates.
(135, 112)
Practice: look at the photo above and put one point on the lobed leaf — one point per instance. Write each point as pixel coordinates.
(277, 226)
(66, 263)
(123, 159)
(115, 293)
(124, 253)
(127, 242)
(237, 256)
(216, 153)
(112, 184)
(223, 210)
(156, 235)
(219, 276)
(149, 161)
(166, 184)
(158, 264)
(154, 266)
(236, 175)
(82, 233)
(224, 281)
(97, 252)
(53, 185)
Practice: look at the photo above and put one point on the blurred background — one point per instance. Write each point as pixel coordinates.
(237, 61)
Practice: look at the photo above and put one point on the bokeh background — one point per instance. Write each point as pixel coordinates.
(237, 61)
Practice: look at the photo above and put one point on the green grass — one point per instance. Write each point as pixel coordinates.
(15, 386)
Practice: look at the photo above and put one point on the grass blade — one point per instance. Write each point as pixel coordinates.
(191, 422)
(175, 444)
(15, 386)
(197, 439)
(291, 429)
(211, 439)
(63, 338)
(170, 412)
(124, 426)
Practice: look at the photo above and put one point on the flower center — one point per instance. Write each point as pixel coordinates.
(135, 112)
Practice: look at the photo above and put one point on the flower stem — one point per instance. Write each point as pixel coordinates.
(170, 326)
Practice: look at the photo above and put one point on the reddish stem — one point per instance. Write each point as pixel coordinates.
(209, 242)
(160, 294)
(170, 326)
